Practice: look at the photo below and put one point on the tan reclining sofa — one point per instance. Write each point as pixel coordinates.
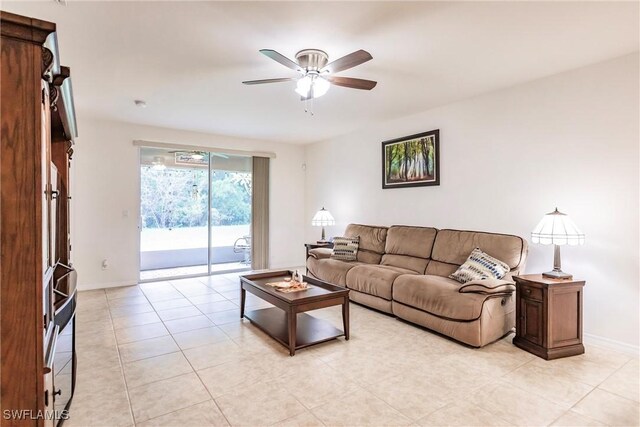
(404, 271)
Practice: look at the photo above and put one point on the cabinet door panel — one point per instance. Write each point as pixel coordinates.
(565, 327)
(531, 320)
(48, 400)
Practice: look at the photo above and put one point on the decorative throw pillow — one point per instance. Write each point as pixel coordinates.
(480, 266)
(345, 248)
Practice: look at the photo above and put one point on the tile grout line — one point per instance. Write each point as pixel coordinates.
(531, 362)
(229, 332)
(205, 386)
(163, 322)
(612, 374)
(546, 398)
(124, 378)
(182, 351)
(572, 406)
(189, 362)
(172, 412)
(569, 410)
(179, 350)
(301, 404)
(597, 387)
(290, 418)
(230, 391)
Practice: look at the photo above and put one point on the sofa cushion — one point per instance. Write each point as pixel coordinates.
(330, 270)
(345, 248)
(438, 296)
(372, 241)
(480, 266)
(454, 246)
(374, 280)
(409, 247)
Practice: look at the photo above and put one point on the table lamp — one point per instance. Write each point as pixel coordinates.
(557, 228)
(321, 219)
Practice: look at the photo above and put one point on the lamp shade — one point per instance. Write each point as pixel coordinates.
(557, 228)
(323, 217)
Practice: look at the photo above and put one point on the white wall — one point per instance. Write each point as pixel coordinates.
(507, 158)
(106, 175)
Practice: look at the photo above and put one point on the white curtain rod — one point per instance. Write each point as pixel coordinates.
(152, 144)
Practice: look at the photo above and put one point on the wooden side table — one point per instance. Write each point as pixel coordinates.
(549, 316)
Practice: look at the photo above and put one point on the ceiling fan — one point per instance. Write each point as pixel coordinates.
(317, 73)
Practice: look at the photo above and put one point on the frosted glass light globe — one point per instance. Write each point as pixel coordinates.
(303, 87)
(320, 87)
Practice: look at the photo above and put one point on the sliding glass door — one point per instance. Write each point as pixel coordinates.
(230, 212)
(195, 213)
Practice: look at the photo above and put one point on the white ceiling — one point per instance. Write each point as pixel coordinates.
(187, 59)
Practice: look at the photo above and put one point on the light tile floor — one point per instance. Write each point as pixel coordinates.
(177, 353)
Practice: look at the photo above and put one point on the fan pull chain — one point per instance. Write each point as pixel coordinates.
(308, 106)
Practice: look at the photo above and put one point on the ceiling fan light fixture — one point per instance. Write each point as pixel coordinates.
(320, 86)
(317, 72)
(312, 86)
(303, 87)
(158, 163)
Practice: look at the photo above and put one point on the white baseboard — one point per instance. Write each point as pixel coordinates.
(610, 344)
(93, 286)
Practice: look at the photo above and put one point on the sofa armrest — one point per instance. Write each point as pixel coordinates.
(320, 253)
(488, 287)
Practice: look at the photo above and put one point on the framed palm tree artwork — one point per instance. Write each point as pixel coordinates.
(411, 161)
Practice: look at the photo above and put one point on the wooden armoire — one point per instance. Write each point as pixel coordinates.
(37, 280)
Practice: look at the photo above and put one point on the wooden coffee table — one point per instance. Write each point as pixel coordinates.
(287, 322)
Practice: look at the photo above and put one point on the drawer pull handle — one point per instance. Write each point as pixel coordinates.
(528, 291)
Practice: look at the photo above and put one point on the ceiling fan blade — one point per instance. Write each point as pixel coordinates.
(348, 61)
(352, 83)
(259, 82)
(278, 57)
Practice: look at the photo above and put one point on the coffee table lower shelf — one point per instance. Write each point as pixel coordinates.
(310, 330)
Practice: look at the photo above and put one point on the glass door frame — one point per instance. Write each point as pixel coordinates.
(209, 272)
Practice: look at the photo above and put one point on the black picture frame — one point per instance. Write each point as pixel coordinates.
(421, 164)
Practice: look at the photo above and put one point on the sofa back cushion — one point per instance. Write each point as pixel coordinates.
(372, 241)
(409, 247)
(452, 247)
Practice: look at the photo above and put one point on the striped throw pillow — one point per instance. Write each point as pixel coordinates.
(480, 266)
(345, 248)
